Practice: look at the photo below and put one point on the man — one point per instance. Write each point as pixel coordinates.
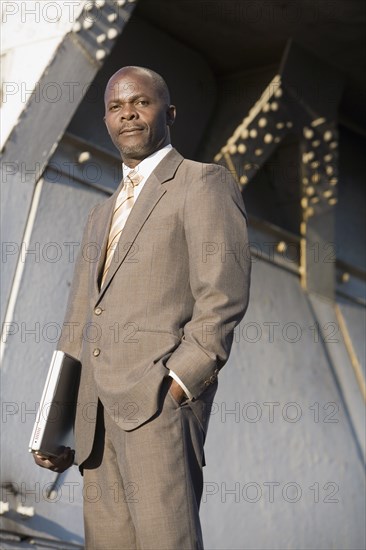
(171, 284)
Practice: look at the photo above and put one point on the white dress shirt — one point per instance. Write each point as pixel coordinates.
(146, 167)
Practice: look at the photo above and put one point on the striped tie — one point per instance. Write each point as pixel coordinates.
(123, 207)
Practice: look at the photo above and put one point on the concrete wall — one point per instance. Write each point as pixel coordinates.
(38, 316)
(283, 465)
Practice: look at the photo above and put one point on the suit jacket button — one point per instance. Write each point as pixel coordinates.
(98, 310)
(96, 352)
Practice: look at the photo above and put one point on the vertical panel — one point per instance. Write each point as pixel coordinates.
(48, 267)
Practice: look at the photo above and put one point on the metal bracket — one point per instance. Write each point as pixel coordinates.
(295, 102)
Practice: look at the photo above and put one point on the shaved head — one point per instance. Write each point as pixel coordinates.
(157, 80)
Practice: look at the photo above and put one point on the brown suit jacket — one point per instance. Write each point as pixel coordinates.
(177, 287)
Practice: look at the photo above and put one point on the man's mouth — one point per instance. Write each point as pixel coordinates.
(130, 130)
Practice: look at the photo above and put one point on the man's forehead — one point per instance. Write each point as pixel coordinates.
(129, 84)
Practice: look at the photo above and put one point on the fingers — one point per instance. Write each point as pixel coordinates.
(57, 464)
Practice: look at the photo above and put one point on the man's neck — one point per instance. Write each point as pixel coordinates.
(129, 165)
(132, 163)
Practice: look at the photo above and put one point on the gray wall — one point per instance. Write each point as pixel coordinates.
(283, 466)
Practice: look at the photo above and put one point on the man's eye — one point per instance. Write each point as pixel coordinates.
(142, 102)
(113, 107)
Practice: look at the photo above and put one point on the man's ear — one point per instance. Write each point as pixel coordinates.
(170, 115)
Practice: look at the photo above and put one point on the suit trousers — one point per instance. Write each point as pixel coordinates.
(142, 488)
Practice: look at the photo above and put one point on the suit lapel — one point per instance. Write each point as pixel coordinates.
(149, 197)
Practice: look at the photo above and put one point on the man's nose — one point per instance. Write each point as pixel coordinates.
(128, 112)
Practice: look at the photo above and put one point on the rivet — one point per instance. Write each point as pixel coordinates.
(84, 157)
(306, 157)
(112, 33)
(281, 247)
(100, 54)
(318, 122)
(308, 133)
(327, 136)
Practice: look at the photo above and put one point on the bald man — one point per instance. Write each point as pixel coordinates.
(175, 286)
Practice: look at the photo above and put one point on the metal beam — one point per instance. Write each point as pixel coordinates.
(295, 102)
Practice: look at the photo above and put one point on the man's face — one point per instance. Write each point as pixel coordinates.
(137, 115)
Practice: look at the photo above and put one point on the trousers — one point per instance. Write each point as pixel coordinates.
(142, 488)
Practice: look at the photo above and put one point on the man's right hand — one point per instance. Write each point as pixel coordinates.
(57, 464)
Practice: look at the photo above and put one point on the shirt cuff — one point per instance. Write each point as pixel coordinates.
(179, 381)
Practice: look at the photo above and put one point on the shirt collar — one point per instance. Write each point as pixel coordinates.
(148, 165)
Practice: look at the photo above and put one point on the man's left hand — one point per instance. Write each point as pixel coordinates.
(177, 392)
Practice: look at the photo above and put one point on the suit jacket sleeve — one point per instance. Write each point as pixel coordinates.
(219, 269)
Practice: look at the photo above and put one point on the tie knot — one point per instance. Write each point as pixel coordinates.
(133, 177)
